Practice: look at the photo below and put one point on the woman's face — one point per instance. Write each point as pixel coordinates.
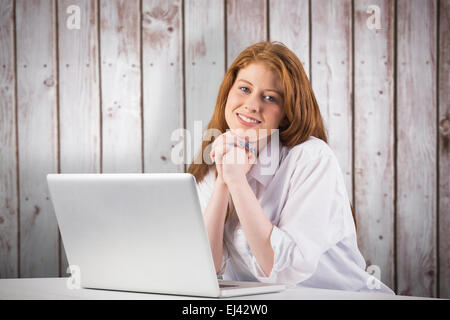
(255, 100)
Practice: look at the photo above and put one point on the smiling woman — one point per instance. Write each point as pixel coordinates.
(254, 100)
(292, 224)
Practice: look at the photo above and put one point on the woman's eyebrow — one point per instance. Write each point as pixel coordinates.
(276, 91)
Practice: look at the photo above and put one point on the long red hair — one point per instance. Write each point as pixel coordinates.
(303, 118)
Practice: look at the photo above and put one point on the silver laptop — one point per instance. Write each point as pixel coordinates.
(140, 232)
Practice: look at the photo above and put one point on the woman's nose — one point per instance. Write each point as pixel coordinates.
(253, 104)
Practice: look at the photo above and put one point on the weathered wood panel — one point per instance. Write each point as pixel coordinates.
(374, 133)
(79, 105)
(121, 85)
(9, 229)
(162, 82)
(108, 69)
(416, 148)
(331, 74)
(246, 25)
(289, 24)
(37, 135)
(204, 67)
(444, 148)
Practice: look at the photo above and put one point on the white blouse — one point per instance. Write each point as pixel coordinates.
(303, 194)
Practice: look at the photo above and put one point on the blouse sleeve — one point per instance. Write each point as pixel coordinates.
(310, 221)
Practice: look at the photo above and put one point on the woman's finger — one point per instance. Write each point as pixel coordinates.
(252, 157)
(218, 141)
(222, 150)
(224, 142)
(231, 136)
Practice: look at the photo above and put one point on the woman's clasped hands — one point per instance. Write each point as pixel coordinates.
(234, 156)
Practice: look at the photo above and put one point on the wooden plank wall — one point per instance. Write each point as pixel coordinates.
(102, 85)
(331, 76)
(204, 68)
(374, 136)
(9, 228)
(444, 147)
(37, 126)
(416, 146)
(79, 126)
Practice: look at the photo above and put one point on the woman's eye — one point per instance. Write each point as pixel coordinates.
(267, 98)
(270, 98)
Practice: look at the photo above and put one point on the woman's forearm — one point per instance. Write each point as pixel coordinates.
(214, 217)
(257, 227)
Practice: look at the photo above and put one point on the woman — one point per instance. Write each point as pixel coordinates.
(283, 217)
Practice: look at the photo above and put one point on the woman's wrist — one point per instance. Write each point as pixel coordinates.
(221, 187)
(235, 183)
(220, 183)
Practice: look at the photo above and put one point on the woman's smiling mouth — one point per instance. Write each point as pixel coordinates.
(247, 121)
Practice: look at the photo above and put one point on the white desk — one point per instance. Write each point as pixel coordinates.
(56, 288)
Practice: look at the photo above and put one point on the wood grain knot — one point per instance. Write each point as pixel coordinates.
(444, 127)
(49, 82)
